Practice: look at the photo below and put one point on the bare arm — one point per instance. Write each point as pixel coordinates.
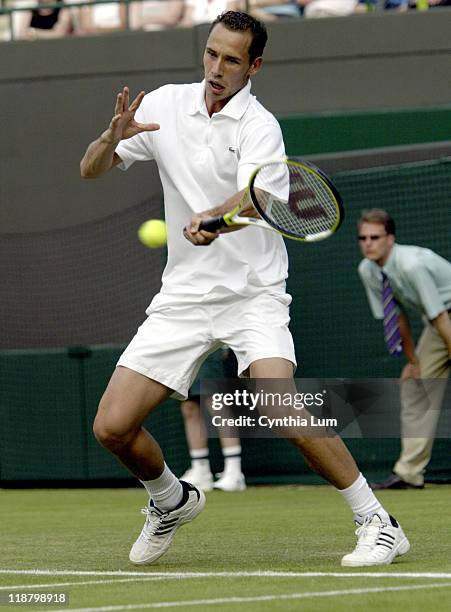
(174, 13)
(412, 369)
(171, 16)
(262, 3)
(230, 204)
(87, 23)
(23, 24)
(443, 325)
(407, 340)
(203, 238)
(100, 156)
(61, 27)
(187, 19)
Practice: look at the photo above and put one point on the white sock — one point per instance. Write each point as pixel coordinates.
(232, 459)
(166, 491)
(200, 460)
(362, 500)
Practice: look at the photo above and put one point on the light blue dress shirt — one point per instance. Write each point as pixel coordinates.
(420, 279)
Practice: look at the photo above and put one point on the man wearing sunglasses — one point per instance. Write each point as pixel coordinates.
(396, 277)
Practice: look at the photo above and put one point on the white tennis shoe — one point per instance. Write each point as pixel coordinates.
(160, 526)
(378, 543)
(230, 482)
(199, 478)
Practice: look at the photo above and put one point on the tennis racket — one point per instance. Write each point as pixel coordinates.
(291, 197)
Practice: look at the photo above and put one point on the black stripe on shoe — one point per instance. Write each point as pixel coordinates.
(393, 521)
(154, 508)
(160, 532)
(187, 487)
(378, 543)
(169, 523)
(388, 542)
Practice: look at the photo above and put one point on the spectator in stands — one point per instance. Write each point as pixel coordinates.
(327, 8)
(42, 22)
(156, 14)
(397, 277)
(206, 11)
(269, 10)
(99, 18)
(392, 5)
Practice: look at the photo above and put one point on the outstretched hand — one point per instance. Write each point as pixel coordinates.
(123, 124)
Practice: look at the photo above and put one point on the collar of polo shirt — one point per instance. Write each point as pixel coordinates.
(235, 107)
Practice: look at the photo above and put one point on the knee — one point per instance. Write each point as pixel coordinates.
(190, 409)
(109, 434)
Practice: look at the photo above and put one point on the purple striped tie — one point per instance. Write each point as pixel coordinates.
(391, 320)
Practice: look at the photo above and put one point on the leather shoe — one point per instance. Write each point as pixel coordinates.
(394, 482)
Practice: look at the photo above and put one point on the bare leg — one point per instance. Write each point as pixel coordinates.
(195, 430)
(127, 401)
(229, 442)
(327, 456)
(330, 458)
(199, 472)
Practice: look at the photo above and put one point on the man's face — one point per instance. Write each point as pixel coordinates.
(375, 243)
(226, 65)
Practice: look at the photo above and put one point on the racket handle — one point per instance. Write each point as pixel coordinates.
(213, 224)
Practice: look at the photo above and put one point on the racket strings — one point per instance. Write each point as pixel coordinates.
(295, 199)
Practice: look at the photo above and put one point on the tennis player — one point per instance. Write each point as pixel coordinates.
(206, 139)
(421, 281)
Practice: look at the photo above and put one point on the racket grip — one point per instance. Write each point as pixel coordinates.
(213, 224)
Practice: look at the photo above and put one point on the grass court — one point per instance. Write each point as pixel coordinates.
(265, 549)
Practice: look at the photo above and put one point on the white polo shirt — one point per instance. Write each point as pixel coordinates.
(420, 279)
(202, 162)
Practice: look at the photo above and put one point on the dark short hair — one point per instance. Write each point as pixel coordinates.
(242, 22)
(378, 215)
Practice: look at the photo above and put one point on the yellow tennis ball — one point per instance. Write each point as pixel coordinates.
(153, 233)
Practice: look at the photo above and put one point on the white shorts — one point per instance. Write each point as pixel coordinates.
(179, 334)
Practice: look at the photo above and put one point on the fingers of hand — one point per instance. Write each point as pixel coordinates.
(121, 101)
(125, 96)
(199, 238)
(414, 371)
(410, 371)
(206, 237)
(193, 226)
(119, 104)
(126, 112)
(137, 101)
(147, 127)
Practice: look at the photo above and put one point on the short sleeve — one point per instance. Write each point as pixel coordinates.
(262, 144)
(423, 283)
